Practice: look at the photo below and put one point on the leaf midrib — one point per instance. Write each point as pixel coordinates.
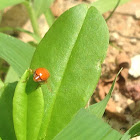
(65, 69)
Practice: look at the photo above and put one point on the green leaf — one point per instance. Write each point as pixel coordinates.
(6, 117)
(84, 126)
(72, 50)
(16, 53)
(11, 76)
(6, 3)
(28, 107)
(132, 132)
(98, 109)
(106, 5)
(40, 6)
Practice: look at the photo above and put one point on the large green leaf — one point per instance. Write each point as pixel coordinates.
(6, 3)
(86, 126)
(6, 118)
(83, 122)
(106, 5)
(132, 132)
(28, 107)
(16, 53)
(72, 50)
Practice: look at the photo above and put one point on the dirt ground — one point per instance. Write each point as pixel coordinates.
(123, 110)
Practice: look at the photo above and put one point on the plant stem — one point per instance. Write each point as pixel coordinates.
(118, 2)
(49, 17)
(21, 30)
(33, 18)
(1, 14)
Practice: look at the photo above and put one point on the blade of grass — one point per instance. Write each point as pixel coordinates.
(17, 53)
(86, 125)
(132, 132)
(98, 109)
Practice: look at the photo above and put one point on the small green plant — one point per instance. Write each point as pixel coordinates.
(34, 8)
(72, 50)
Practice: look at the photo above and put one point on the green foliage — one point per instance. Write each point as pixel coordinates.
(72, 50)
(49, 17)
(75, 68)
(1, 84)
(16, 53)
(6, 119)
(28, 107)
(2, 29)
(40, 6)
(98, 109)
(43, 6)
(106, 5)
(6, 3)
(86, 125)
(11, 76)
(87, 121)
(132, 132)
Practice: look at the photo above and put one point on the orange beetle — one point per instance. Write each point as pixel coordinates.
(41, 75)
